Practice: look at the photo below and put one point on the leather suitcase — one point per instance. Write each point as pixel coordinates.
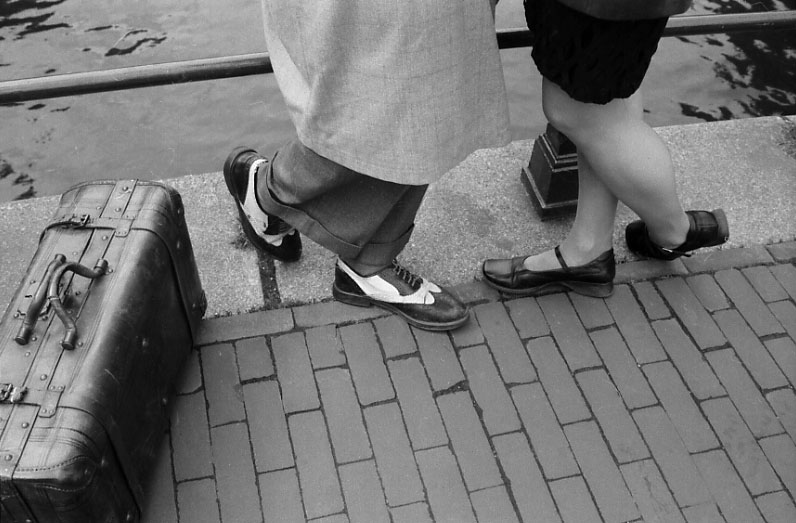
(89, 349)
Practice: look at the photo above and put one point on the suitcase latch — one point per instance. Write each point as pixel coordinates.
(78, 221)
(11, 394)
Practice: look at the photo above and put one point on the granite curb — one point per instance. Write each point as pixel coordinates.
(274, 321)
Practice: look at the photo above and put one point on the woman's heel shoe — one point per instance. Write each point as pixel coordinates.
(510, 276)
(707, 229)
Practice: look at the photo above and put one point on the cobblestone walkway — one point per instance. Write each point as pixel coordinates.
(673, 400)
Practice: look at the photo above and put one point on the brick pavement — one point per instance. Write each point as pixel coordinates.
(673, 400)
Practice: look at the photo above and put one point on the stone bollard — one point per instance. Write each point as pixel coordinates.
(551, 176)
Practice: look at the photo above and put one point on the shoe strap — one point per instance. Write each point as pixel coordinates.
(560, 257)
(690, 239)
(672, 251)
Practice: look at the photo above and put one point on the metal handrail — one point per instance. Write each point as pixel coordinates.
(23, 90)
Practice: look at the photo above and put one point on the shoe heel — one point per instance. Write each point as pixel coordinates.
(595, 290)
(724, 227)
(350, 299)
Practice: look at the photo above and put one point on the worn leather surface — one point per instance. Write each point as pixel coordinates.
(84, 435)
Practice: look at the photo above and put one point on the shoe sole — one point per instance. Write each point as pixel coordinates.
(359, 300)
(293, 254)
(595, 290)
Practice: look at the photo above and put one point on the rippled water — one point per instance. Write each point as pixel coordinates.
(162, 132)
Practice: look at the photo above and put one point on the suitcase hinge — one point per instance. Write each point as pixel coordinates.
(51, 399)
(11, 393)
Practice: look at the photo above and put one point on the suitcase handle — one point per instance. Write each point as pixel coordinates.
(34, 309)
(68, 341)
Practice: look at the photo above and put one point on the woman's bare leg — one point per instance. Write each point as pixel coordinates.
(620, 157)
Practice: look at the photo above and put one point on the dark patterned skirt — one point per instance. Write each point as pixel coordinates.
(592, 60)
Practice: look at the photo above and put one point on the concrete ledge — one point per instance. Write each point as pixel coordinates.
(479, 210)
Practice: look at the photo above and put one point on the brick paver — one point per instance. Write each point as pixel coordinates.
(363, 494)
(673, 400)
(268, 426)
(634, 326)
(498, 412)
(777, 507)
(614, 419)
(560, 385)
(469, 441)
(652, 302)
(254, 359)
(650, 492)
(546, 435)
(741, 447)
(493, 505)
(750, 350)
(394, 457)
(526, 482)
(281, 496)
(727, 488)
(684, 412)
(234, 471)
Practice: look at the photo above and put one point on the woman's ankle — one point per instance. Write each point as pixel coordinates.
(673, 236)
(573, 257)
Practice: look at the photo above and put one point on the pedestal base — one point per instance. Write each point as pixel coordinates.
(551, 176)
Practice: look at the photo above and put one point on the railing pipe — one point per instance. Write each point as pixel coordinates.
(23, 90)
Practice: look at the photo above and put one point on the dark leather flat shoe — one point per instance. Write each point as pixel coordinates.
(595, 278)
(707, 229)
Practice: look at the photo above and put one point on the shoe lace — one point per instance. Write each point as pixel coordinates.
(406, 275)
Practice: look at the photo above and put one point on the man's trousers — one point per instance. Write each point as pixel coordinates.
(364, 220)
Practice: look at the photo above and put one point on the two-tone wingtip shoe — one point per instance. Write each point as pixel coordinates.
(420, 302)
(266, 232)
